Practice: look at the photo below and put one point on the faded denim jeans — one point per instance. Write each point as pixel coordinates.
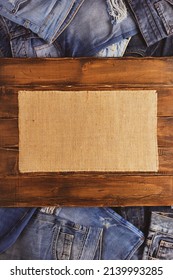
(159, 242)
(93, 28)
(76, 233)
(48, 19)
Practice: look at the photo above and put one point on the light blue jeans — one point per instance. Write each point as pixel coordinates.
(48, 19)
(76, 234)
(159, 242)
(90, 29)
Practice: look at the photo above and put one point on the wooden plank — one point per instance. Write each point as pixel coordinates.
(75, 190)
(8, 103)
(165, 102)
(9, 132)
(8, 161)
(165, 131)
(53, 71)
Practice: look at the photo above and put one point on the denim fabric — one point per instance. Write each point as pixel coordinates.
(114, 50)
(21, 42)
(92, 31)
(154, 18)
(138, 48)
(49, 238)
(116, 230)
(140, 217)
(159, 242)
(5, 48)
(18, 41)
(12, 222)
(45, 18)
(86, 34)
(76, 233)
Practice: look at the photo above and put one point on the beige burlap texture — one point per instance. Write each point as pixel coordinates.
(88, 131)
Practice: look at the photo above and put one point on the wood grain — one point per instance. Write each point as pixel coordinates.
(92, 188)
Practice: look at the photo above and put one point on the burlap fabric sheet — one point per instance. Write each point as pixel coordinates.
(88, 131)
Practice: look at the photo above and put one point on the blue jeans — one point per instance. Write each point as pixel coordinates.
(90, 31)
(138, 48)
(48, 19)
(154, 19)
(12, 223)
(76, 233)
(140, 217)
(159, 242)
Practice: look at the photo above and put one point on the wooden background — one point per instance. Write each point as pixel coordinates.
(85, 188)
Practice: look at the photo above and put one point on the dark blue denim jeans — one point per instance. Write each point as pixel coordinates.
(76, 233)
(12, 223)
(138, 48)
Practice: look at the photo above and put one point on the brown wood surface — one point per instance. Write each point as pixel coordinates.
(85, 189)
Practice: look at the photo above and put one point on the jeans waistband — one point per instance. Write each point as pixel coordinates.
(52, 218)
(108, 214)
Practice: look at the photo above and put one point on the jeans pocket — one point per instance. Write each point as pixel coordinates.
(165, 11)
(47, 50)
(63, 246)
(161, 247)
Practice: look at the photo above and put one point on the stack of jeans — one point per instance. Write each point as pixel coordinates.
(77, 28)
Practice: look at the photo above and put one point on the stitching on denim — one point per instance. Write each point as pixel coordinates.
(135, 247)
(58, 33)
(83, 241)
(55, 237)
(51, 14)
(161, 14)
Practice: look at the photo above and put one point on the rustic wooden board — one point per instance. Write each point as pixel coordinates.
(85, 188)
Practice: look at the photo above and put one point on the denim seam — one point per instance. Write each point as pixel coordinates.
(17, 6)
(96, 242)
(6, 26)
(52, 14)
(19, 19)
(149, 16)
(57, 34)
(83, 242)
(126, 223)
(54, 241)
(135, 247)
(137, 51)
(100, 242)
(65, 246)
